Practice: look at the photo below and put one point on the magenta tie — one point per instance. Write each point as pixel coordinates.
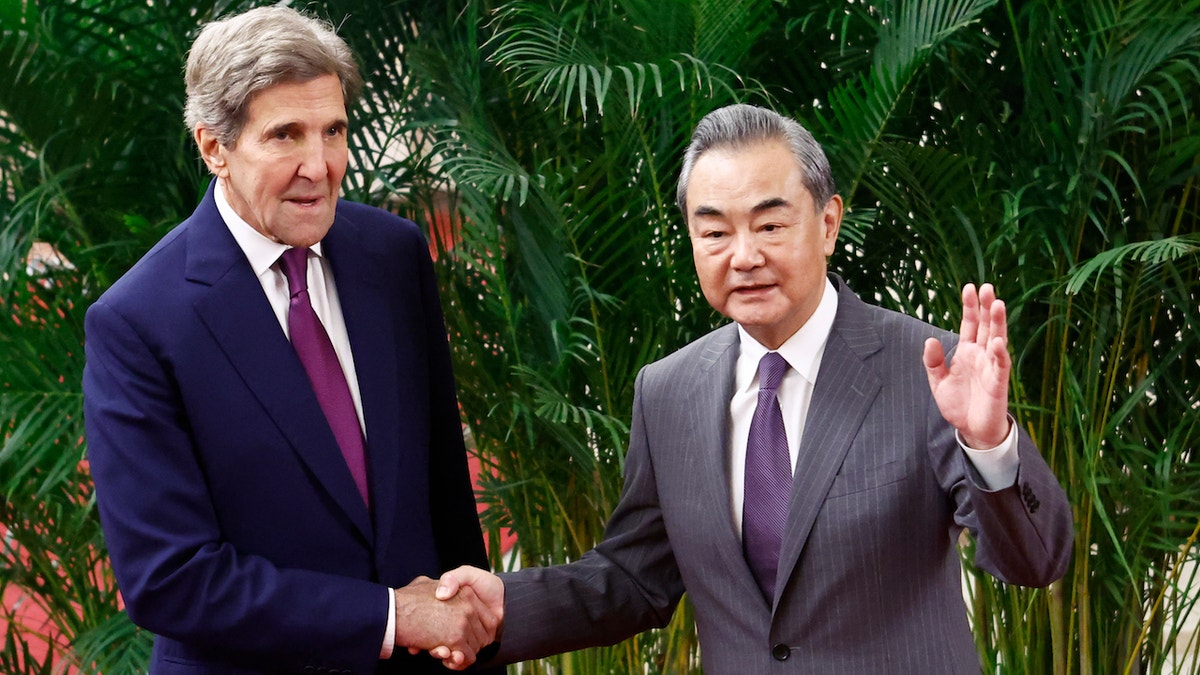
(312, 345)
(768, 478)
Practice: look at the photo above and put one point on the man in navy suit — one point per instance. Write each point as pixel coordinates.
(271, 416)
(826, 541)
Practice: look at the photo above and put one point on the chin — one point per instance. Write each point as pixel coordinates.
(754, 317)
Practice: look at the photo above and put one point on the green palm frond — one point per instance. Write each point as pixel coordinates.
(1156, 252)
(564, 68)
(114, 646)
(909, 35)
(478, 162)
(727, 30)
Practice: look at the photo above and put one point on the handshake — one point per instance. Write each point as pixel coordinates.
(451, 618)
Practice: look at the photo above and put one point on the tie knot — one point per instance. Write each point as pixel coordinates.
(294, 263)
(771, 371)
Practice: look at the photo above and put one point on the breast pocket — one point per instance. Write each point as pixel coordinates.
(872, 477)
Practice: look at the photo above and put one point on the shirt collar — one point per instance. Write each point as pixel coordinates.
(802, 350)
(259, 250)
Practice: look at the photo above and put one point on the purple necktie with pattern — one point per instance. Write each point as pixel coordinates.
(315, 350)
(768, 478)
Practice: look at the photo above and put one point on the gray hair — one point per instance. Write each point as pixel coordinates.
(235, 58)
(740, 125)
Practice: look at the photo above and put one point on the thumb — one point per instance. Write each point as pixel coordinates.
(453, 581)
(448, 586)
(934, 357)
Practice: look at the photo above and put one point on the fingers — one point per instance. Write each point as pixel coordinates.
(984, 316)
(452, 630)
(481, 588)
(996, 312)
(968, 329)
(994, 339)
(972, 391)
(476, 628)
(453, 660)
(471, 627)
(479, 623)
(934, 358)
(456, 578)
(452, 618)
(488, 588)
(448, 585)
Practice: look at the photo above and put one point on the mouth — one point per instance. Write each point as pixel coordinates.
(305, 201)
(753, 288)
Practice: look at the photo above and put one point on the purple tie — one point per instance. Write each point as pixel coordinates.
(768, 478)
(312, 345)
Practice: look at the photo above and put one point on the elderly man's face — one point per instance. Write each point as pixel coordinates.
(758, 240)
(284, 173)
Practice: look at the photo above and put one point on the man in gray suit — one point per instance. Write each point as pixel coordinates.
(848, 564)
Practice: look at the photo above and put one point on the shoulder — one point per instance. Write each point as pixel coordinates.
(381, 240)
(694, 359)
(377, 224)
(867, 328)
(381, 244)
(154, 275)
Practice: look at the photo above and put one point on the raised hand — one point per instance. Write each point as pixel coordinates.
(452, 628)
(972, 393)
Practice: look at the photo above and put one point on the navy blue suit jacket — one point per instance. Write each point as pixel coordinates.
(233, 524)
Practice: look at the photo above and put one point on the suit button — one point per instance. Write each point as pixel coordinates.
(781, 652)
(1031, 500)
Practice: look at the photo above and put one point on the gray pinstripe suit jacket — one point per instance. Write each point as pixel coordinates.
(869, 579)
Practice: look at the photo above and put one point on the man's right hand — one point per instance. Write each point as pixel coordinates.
(481, 585)
(451, 625)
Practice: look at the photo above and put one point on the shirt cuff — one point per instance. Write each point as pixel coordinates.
(997, 466)
(389, 636)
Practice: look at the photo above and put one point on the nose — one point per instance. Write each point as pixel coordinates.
(746, 252)
(314, 165)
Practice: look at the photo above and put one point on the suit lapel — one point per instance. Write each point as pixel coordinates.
(708, 405)
(237, 313)
(843, 394)
(358, 272)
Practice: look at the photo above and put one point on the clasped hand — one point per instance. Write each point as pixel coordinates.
(452, 618)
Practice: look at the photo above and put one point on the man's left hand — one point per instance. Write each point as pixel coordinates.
(972, 392)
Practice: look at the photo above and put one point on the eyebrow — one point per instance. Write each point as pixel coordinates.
(278, 128)
(768, 204)
(340, 123)
(704, 210)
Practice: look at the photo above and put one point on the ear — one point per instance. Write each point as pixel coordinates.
(831, 223)
(211, 151)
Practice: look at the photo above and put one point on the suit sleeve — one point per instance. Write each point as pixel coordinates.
(458, 535)
(1024, 532)
(178, 577)
(629, 583)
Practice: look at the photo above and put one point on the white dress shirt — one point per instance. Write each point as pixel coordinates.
(263, 255)
(803, 352)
